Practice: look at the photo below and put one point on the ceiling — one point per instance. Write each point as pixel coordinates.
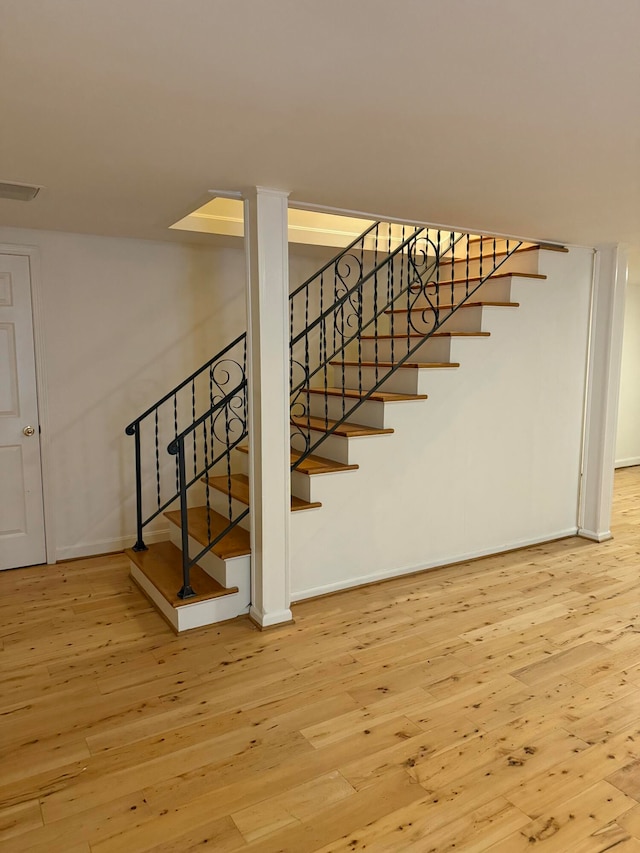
(503, 115)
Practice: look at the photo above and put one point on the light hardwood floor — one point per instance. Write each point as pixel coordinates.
(489, 706)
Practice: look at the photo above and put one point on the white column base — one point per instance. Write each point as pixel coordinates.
(270, 620)
(595, 537)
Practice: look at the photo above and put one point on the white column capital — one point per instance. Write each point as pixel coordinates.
(249, 193)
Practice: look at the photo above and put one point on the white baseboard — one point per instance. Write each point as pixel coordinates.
(627, 463)
(595, 537)
(106, 546)
(363, 580)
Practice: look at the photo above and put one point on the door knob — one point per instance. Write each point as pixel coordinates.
(29, 430)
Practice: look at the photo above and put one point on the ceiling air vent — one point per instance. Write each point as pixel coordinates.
(18, 192)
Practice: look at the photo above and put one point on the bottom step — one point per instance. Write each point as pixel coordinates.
(158, 573)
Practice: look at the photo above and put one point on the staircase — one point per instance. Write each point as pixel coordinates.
(369, 331)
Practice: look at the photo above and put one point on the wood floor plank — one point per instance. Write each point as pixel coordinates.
(18, 819)
(570, 822)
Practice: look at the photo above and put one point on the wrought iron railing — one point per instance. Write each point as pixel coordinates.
(183, 437)
(394, 284)
(216, 433)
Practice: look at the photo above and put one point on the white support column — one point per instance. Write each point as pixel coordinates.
(266, 242)
(603, 388)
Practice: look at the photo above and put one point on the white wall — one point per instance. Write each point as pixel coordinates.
(628, 436)
(491, 461)
(123, 321)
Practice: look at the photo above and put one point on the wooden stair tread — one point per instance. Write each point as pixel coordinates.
(483, 304)
(538, 244)
(426, 337)
(235, 543)
(529, 247)
(318, 465)
(447, 282)
(161, 564)
(430, 364)
(377, 396)
(313, 464)
(346, 429)
(240, 491)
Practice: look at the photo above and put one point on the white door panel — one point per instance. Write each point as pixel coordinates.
(22, 540)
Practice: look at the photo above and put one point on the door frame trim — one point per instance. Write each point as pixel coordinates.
(32, 253)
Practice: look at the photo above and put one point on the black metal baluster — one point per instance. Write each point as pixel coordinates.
(325, 374)
(376, 262)
(291, 304)
(323, 351)
(375, 308)
(306, 359)
(391, 299)
(157, 441)
(206, 476)
(186, 590)
(175, 435)
(193, 434)
(359, 318)
(212, 403)
(244, 359)
(466, 287)
(335, 310)
(228, 460)
(438, 247)
(452, 243)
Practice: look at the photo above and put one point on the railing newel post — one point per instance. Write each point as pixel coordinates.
(139, 546)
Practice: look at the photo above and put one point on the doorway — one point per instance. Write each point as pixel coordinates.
(22, 532)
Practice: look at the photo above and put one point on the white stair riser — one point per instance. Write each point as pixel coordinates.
(520, 262)
(300, 485)
(494, 290)
(466, 319)
(326, 488)
(232, 572)
(433, 349)
(192, 615)
(404, 381)
(219, 502)
(370, 413)
(332, 440)
(212, 611)
(242, 463)
(334, 447)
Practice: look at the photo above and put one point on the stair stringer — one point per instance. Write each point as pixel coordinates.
(489, 463)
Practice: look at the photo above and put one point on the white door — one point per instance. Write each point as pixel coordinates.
(21, 512)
